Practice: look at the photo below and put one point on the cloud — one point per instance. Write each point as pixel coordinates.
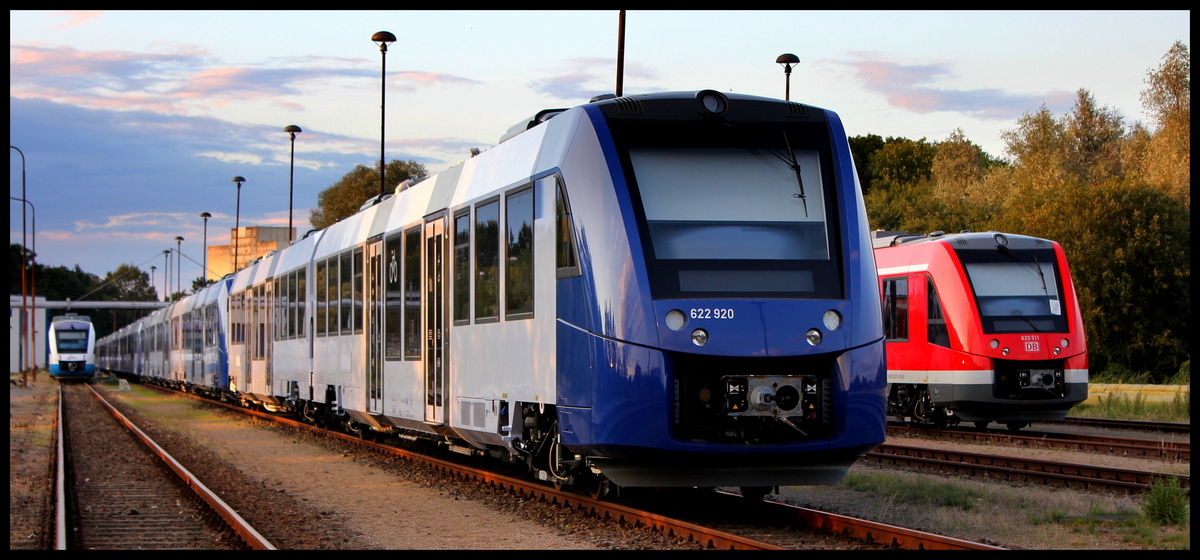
(186, 78)
(77, 17)
(584, 78)
(913, 87)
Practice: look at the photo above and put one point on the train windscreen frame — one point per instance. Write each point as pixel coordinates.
(1016, 290)
(734, 210)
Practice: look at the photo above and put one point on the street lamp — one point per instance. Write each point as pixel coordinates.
(167, 276)
(153, 269)
(237, 219)
(205, 216)
(178, 263)
(384, 39)
(25, 309)
(787, 60)
(291, 129)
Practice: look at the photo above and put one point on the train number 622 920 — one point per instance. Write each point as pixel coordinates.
(711, 313)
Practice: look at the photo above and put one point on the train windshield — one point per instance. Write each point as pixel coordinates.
(738, 214)
(1017, 291)
(71, 342)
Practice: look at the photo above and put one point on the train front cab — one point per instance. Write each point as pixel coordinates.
(72, 348)
(718, 327)
(973, 333)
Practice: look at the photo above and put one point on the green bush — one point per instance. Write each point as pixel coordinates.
(1166, 502)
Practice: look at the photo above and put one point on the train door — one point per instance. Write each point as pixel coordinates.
(374, 310)
(435, 347)
(269, 321)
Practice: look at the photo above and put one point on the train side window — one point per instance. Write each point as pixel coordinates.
(345, 294)
(895, 309)
(487, 262)
(357, 286)
(939, 334)
(301, 300)
(462, 268)
(291, 303)
(394, 298)
(564, 234)
(322, 297)
(518, 258)
(412, 294)
(277, 331)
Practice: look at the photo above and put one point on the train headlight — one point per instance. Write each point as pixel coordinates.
(1004, 351)
(699, 337)
(994, 344)
(832, 320)
(676, 319)
(1063, 343)
(813, 336)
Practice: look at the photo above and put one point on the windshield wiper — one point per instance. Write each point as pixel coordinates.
(1036, 267)
(791, 162)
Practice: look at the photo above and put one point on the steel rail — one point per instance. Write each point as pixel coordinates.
(60, 480)
(1171, 427)
(252, 537)
(1016, 468)
(861, 529)
(1173, 450)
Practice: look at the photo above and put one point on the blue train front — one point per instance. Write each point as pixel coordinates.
(717, 317)
(72, 347)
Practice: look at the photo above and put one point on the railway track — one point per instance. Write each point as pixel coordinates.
(1052, 473)
(804, 528)
(1168, 427)
(1130, 447)
(117, 489)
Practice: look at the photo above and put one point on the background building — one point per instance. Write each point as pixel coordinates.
(252, 242)
(18, 347)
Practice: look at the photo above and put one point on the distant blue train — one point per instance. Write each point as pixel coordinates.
(671, 289)
(72, 342)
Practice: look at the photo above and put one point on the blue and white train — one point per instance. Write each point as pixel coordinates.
(72, 342)
(671, 289)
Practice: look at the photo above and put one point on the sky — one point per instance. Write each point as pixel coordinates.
(132, 123)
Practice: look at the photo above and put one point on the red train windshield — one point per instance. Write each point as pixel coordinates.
(1017, 290)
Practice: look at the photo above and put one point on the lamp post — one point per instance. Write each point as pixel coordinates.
(29, 266)
(153, 269)
(24, 288)
(291, 129)
(167, 276)
(787, 60)
(178, 264)
(205, 216)
(384, 39)
(237, 220)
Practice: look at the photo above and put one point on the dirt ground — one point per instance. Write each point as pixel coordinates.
(301, 491)
(304, 492)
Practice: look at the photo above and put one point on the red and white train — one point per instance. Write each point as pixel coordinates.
(979, 327)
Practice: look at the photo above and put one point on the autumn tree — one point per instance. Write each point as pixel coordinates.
(1038, 149)
(1163, 157)
(345, 197)
(1093, 137)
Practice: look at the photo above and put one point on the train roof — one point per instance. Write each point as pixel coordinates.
(732, 106)
(963, 240)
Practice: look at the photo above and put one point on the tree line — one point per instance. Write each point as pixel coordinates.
(1116, 196)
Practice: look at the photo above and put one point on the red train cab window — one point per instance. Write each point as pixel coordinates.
(895, 309)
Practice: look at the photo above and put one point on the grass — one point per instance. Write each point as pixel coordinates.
(1137, 408)
(1156, 520)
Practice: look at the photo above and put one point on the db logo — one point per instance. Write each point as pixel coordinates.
(1032, 346)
